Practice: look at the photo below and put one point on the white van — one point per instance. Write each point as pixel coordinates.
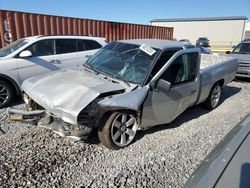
(31, 56)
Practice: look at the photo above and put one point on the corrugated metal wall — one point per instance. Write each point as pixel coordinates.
(16, 25)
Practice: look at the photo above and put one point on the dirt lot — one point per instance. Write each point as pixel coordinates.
(164, 156)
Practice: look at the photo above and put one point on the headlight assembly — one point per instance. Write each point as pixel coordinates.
(26, 98)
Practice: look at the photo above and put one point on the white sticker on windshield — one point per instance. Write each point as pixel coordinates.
(147, 49)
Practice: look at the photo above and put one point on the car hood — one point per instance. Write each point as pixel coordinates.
(65, 93)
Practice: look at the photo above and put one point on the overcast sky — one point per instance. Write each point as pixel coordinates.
(135, 11)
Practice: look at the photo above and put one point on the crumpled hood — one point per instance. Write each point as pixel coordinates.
(65, 93)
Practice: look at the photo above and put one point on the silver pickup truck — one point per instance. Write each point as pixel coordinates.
(126, 86)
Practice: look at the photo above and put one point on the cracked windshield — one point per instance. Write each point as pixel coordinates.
(124, 61)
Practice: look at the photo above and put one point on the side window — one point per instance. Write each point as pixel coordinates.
(242, 48)
(42, 48)
(91, 45)
(182, 69)
(245, 48)
(64, 46)
(162, 61)
(80, 45)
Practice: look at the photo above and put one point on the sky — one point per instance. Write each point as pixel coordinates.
(131, 11)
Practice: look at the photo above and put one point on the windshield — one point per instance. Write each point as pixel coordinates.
(12, 47)
(242, 48)
(127, 62)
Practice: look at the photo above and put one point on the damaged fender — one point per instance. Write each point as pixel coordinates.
(130, 100)
(67, 99)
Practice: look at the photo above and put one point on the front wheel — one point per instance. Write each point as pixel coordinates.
(118, 130)
(214, 97)
(6, 94)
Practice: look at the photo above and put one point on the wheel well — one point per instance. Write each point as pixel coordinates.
(108, 113)
(135, 113)
(220, 82)
(11, 82)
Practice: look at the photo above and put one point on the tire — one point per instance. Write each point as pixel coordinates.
(117, 130)
(7, 93)
(214, 97)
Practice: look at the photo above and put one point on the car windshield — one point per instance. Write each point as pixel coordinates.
(128, 62)
(12, 47)
(242, 48)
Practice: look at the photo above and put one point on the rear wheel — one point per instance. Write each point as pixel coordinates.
(118, 130)
(214, 97)
(6, 94)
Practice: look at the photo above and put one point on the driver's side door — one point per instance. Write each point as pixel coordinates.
(175, 88)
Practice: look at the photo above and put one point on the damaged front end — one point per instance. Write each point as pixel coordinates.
(43, 119)
(36, 115)
(87, 120)
(64, 129)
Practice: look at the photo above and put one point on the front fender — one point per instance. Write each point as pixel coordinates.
(128, 100)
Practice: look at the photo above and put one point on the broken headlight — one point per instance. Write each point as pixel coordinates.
(26, 98)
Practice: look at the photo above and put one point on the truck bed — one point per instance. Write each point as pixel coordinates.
(214, 68)
(208, 60)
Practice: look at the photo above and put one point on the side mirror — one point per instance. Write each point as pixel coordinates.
(162, 85)
(228, 52)
(233, 46)
(25, 53)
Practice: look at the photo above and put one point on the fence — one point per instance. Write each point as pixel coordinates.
(15, 25)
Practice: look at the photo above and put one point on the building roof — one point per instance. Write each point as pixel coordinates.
(155, 43)
(201, 19)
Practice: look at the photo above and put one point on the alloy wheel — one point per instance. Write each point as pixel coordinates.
(4, 94)
(215, 97)
(123, 129)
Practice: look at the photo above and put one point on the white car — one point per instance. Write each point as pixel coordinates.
(31, 56)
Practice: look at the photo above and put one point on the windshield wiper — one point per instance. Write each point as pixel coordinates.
(91, 67)
(116, 76)
(126, 82)
(119, 78)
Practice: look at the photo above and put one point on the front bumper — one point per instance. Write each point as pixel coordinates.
(25, 116)
(44, 119)
(243, 70)
(243, 73)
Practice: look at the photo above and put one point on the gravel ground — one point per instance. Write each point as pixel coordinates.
(163, 156)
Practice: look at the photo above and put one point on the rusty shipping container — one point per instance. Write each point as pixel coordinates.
(15, 25)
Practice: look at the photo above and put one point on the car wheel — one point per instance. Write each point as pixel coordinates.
(118, 130)
(214, 97)
(6, 94)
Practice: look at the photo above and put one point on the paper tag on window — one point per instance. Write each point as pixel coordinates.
(147, 49)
